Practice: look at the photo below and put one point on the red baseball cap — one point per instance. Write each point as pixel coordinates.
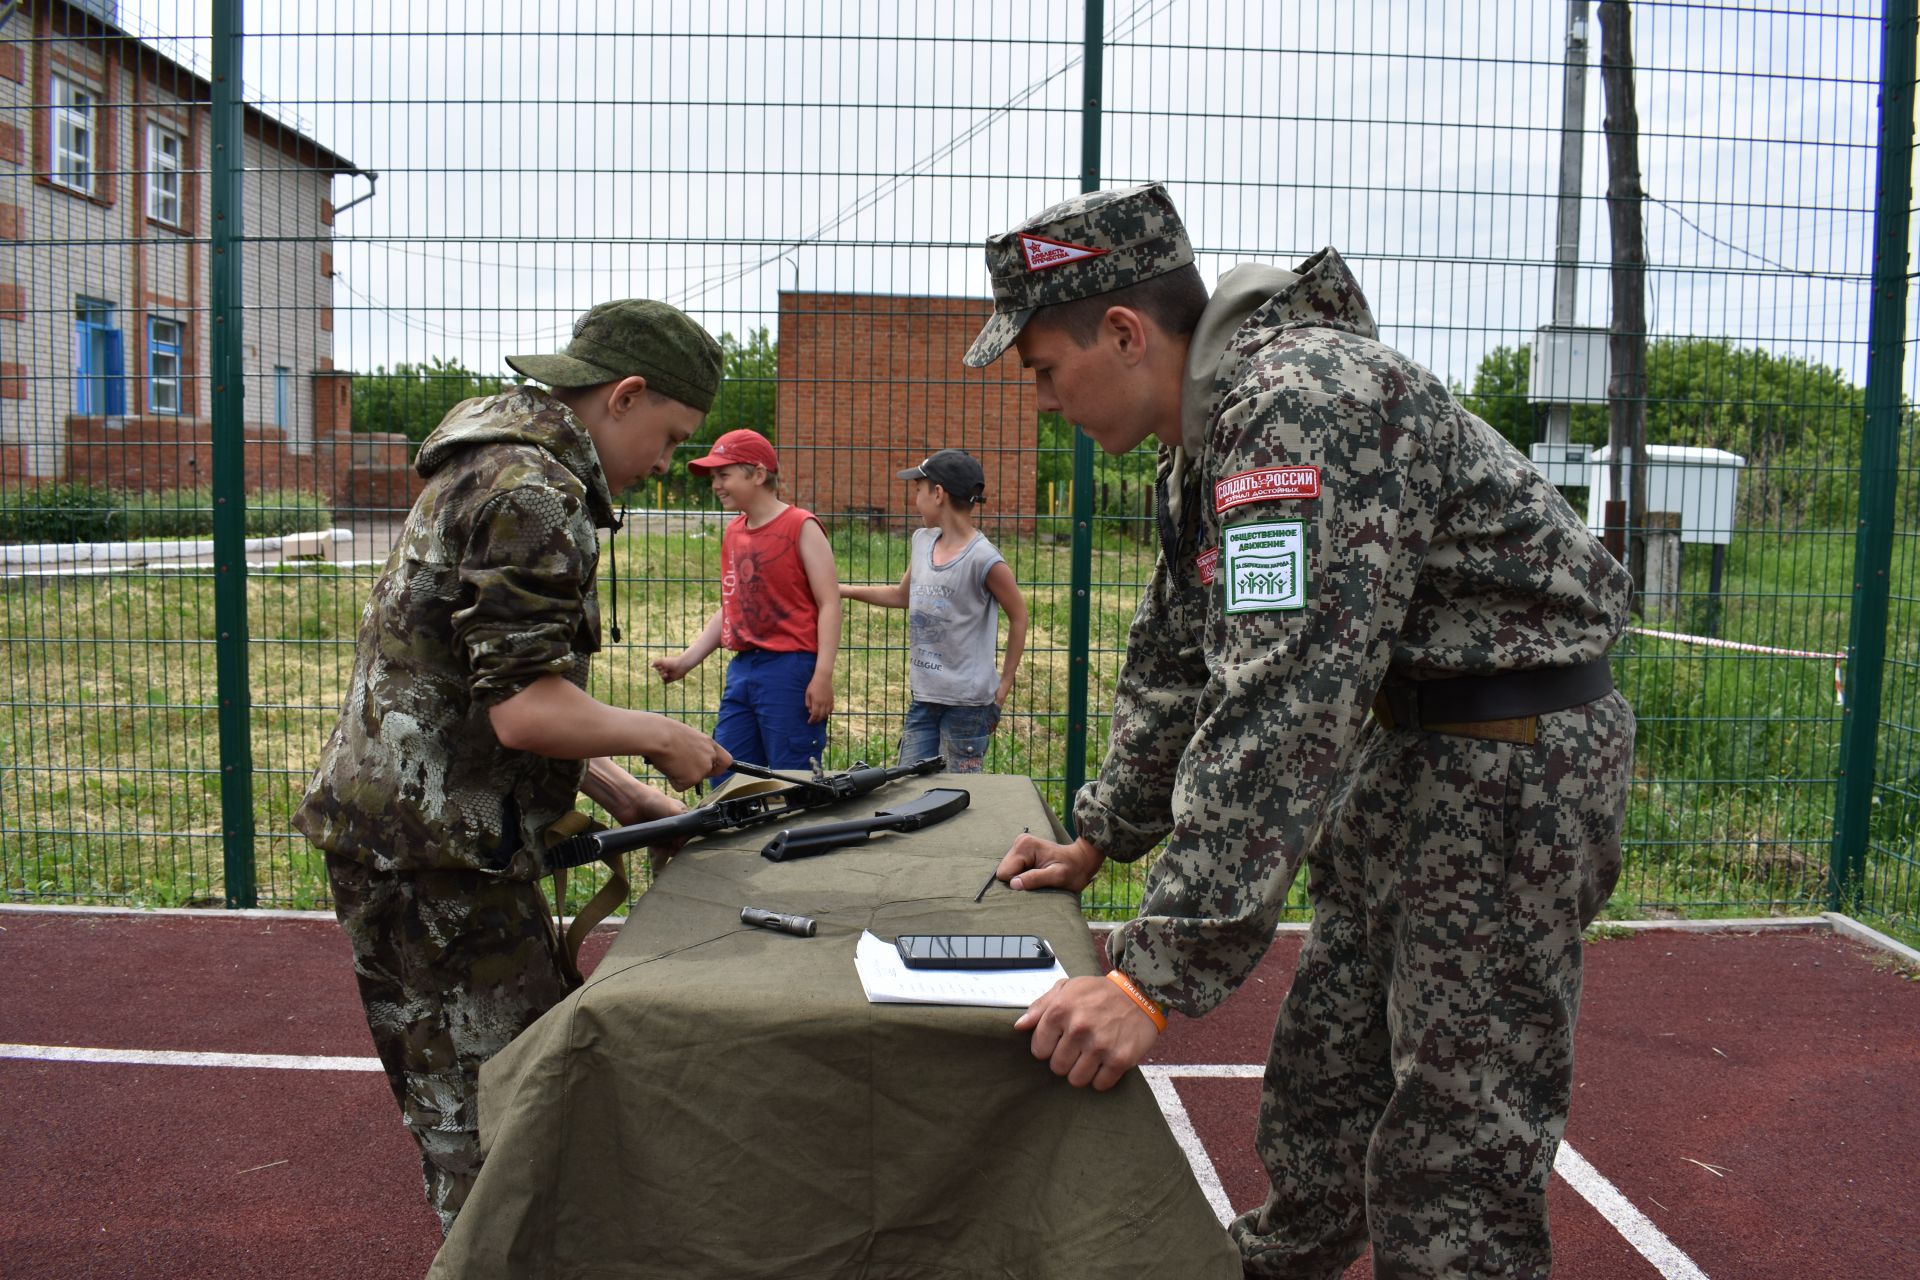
(740, 447)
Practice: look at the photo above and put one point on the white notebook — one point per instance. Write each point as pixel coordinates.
(888, 980)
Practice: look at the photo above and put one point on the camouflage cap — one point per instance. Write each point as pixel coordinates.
(1094, 243)
(634, 337)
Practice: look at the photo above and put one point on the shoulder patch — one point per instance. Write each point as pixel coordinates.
(1266, 566)
(1266, 484)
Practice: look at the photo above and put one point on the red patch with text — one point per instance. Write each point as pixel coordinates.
(1266, 484)
(1041, 253)
(1208, 563)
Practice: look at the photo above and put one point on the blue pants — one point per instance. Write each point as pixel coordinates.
(763, 713)
(958, 733)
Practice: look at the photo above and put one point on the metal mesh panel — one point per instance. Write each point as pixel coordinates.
(429, 188)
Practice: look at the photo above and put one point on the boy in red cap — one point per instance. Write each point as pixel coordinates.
(779, 613)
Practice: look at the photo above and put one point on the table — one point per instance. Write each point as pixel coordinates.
(722, 1101)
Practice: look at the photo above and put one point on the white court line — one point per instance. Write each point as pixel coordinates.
(183, 1058)
(1650, 1241)
(1634, 1227)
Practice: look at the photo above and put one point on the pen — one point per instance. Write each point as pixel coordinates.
(994, 875)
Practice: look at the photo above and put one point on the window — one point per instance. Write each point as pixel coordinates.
(99, 366)
(165, 149)
(164, 340)
(282, 396)
(73, 109)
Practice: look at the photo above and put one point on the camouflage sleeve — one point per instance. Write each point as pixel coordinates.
(1127, 810)
(1295, 662)
(527, 570)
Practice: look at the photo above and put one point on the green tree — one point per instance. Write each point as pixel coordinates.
(1796, 422)
(749, 372)
(1498, 395)
(413, 398)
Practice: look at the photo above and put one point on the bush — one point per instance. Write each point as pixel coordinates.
(90, 513)
(273, 513)
(60, 513)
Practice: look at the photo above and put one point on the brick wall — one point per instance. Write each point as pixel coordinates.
(170, 453)
(869, 384)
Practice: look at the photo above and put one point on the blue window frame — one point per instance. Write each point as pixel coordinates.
(164, 341)
(282, 396)
(99, 361)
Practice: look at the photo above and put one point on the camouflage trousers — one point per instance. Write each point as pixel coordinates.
(1422, 1065)
(451, 965)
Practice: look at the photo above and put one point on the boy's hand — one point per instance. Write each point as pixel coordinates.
(819, 698)
(1033, 863)
(686, 755)
(646, 805)
(1087, 1030)
(671, 669)
(1000, 694)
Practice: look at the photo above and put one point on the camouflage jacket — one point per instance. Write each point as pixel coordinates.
(490, 586)
(1330, 515)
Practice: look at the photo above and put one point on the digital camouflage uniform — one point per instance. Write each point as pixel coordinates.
(1332, 518)
(428, 823)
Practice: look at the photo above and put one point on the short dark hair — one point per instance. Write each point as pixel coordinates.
(1173, 301)
(572, 397)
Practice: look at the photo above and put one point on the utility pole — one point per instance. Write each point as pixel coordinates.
(1566, 249)
(1627, 355)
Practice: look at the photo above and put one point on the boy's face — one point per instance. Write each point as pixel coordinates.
(1096, 388)
(734, 484)
(926, 501)
(636, 437)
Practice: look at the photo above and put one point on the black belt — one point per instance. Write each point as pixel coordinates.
(1506, 695)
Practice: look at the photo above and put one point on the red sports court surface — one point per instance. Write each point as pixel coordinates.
(194, 1095)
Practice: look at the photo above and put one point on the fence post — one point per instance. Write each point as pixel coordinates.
(1879, 457)
(1080, 609)
(230, 457)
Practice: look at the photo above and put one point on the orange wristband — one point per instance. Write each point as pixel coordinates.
(1134, 994)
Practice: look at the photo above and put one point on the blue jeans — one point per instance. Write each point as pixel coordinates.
(958, 733)
(763, 713)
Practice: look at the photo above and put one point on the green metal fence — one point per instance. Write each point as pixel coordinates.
(249, 253)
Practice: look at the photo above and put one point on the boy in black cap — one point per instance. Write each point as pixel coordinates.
(1337, 535)
(954, 580)
(467, 728)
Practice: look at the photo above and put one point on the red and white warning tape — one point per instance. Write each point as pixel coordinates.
(1713, 642)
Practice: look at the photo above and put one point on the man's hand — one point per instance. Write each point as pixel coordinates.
(1034, 863)
(686, 755)
(1087, 1030)
(819, 698)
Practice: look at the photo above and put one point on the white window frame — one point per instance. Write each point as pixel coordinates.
(164, 186)
(163, 391)
(75, 134)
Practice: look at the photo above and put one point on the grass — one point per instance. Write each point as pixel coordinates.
(110, 758)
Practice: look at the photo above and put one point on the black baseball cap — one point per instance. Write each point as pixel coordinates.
(956, 471)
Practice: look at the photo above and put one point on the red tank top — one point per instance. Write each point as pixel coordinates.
(765, 602)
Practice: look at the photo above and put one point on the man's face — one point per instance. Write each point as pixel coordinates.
(641, 441)
(1092, 387)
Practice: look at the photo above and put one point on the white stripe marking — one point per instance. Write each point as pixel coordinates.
(1648, 1240)
(183, 1058)
(1160, 1080)
(1635, 1227)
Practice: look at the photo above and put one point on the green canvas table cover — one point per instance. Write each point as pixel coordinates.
(722, 1101)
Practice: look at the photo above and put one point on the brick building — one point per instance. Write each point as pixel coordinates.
(872, 383)
(105, 272)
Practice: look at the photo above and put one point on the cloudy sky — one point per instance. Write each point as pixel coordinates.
(534, 158)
